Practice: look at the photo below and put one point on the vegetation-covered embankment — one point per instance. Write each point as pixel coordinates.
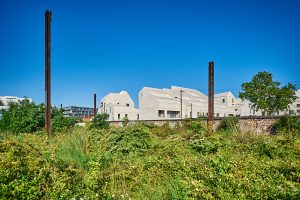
(149, 162)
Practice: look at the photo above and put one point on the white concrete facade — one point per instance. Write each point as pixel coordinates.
(166, 104)
(159, 104)
(118, 106)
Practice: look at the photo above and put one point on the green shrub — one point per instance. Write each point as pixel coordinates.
(27, 117)
(287, 124)
(195, 126)
(125, 121)
(72, 150)
(100, 121)
(24, 117)
(229, 124)
(132, 139)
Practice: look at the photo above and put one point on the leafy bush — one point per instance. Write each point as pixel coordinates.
(139, 162)
(125, 121)
(27, 117)
(287, 124)
(195, 126)
(100, 121)
(229, 124)
(23, 117)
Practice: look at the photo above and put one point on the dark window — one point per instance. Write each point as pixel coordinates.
(298, 105)
(127, 104)
(218, 115)
(161, 113)
(126, 116)
(223, 100)
(119, 116)
(138, 117)
(173, 114)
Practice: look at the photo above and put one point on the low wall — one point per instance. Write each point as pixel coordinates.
(247, 124)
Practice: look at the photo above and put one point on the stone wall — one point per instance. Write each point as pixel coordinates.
(247, 124)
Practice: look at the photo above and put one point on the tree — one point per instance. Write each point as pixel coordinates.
(26, 117)
(1, 103)
(267, 95)
(100, 121)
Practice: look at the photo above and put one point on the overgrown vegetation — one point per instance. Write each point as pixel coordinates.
(287, 124)
(27, 117)
(229, 124)
(144, 161)
(100, 121)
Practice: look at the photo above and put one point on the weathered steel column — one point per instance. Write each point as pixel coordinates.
(211, 83)
(48, 71)
(95, 104)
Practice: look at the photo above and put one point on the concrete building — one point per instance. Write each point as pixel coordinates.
(119, 106)
(295, 107)
(159, 104)
(76, 111)
(166, 103)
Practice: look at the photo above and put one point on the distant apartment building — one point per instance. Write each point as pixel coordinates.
(76, 111)
(166, 103)
(118, 106)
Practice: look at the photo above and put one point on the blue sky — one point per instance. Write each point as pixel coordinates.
(109, 46)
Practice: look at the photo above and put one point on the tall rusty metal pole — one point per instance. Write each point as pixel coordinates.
(48, 72)
(95, 104)
(210, 95)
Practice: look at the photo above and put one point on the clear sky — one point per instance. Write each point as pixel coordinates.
(109, 46)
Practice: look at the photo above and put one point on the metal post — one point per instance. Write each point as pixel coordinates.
(48, 71)
(181, 104)
(95, 111)
(210, 95)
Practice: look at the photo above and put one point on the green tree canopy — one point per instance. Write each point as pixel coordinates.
(267, 95)
(26, 117)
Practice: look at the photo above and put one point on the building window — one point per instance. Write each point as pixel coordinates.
(173, 114)
(231, 115)
(119, 116)
(223, 100)
(161, 113)
(298, 105)
(218, 115)
(127, 104)
(232, 100)
(198, 114)
(138, 117)
(126, 116)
